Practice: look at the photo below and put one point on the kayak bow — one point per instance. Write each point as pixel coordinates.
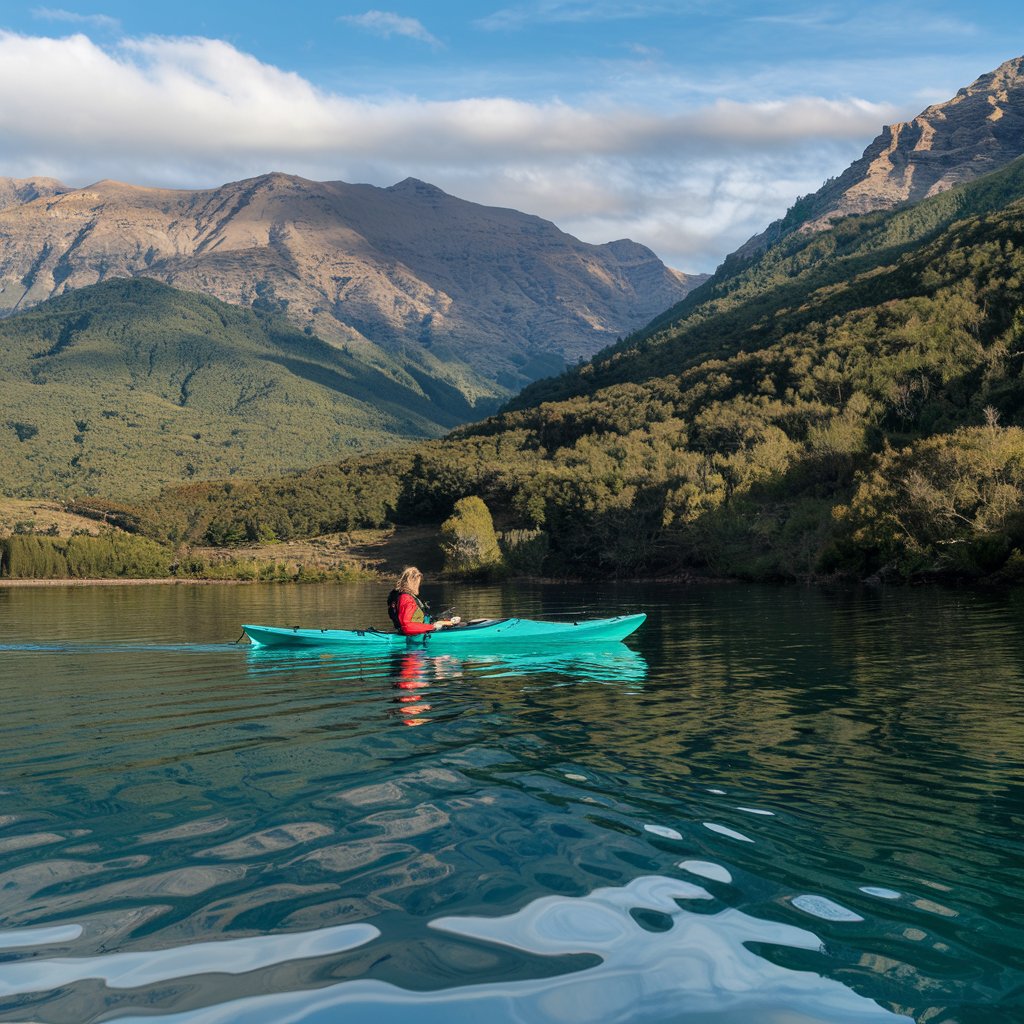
(477, 634)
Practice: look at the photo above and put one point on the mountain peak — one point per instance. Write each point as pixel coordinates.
(16, 191)
(277, 178)
(420, 188)
(1010, 72)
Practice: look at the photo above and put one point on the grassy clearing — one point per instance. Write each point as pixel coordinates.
(42, 516)
(376, 553)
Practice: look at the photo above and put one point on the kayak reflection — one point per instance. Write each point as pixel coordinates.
(413, 675)
(609, 663)
(419, 678)
(416, 671)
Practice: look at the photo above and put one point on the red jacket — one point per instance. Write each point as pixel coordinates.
(407, 608)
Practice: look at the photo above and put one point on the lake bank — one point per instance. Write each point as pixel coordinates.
(380, 555)
(119, 582)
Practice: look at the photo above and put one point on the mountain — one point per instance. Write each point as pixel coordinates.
(479, 298)
(122, 387)
(978, 131)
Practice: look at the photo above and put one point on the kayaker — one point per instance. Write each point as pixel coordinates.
(407, 611)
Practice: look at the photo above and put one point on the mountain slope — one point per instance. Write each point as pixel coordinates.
(121, 387)
(482, 299)
(976, 132)
(753, 300)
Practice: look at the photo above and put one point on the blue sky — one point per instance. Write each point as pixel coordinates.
(687, 126)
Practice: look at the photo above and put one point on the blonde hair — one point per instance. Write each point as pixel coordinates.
(410, 576)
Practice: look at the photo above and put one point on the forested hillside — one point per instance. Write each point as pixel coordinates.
(864, 261)
(850, 402)
(122, 387)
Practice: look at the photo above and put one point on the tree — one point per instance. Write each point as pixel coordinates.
(468, 541)
(949, 503)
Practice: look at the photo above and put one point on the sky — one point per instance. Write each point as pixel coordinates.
(687, 125)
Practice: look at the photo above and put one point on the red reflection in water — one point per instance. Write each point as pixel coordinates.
(412, 676)
(414, 673)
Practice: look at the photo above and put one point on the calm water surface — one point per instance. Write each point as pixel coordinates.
(768, 806)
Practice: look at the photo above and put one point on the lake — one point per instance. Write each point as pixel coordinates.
(769, 805)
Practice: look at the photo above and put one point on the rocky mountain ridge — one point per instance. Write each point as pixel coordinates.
(482, 298)
(16, 191)
(978, 131)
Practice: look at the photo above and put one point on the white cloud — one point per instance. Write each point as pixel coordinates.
(192, 112)
(387, 24)
(103, 21)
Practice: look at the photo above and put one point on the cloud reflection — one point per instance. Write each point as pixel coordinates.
(231, 956)
(697, 965)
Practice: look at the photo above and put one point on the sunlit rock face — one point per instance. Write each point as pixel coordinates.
(15, 191)
(979, 130)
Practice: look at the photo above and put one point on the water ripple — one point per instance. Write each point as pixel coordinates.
(836, 781)
(152, 967)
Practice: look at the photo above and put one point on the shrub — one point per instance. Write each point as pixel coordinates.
(468, 540)
(524, 551)
(28, 557)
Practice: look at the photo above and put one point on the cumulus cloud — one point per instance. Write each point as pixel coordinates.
(387, 24)
(192, 112)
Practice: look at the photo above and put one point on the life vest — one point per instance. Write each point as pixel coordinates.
(420, 615)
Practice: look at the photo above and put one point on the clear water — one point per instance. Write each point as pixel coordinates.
(770, 805)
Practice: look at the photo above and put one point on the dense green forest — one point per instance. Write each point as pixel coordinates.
(127, 385)
(850, 402)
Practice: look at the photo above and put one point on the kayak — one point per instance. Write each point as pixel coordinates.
(474, 635)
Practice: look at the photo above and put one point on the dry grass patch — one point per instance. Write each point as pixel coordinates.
(375, 552)
(38, 515)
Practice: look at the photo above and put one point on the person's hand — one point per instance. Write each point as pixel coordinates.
(441, 623)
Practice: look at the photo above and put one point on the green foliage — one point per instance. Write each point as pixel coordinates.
(952, 503)
(524, 551)
(252, 570)
(116, 555)
(109, 556)
(24, 556)
(129, 385)
(468, 540)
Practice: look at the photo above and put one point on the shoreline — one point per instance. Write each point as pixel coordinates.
(121, 582)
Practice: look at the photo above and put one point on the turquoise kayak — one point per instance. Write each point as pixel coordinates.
(475, 635)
